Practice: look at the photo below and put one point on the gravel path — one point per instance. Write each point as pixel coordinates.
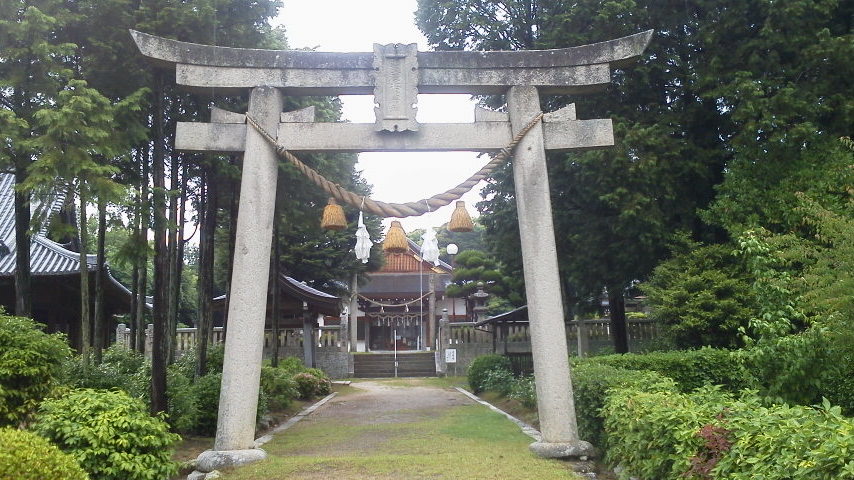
(378, 402)
(401, 429)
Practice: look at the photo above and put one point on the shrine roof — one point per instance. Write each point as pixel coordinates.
(46, 256)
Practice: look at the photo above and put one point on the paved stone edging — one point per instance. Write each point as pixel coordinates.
(526, 429)
(293, 420)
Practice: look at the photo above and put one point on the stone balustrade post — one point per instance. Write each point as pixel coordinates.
(149, 341)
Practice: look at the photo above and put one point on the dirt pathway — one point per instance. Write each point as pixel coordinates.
(402, 429)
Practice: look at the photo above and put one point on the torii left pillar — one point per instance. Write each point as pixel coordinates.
(238, 401)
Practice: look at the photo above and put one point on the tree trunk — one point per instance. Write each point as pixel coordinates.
(133, 318)
(274, 289)
(144, 216)
(207, 230)
(23, 282)
(161, 258)
(172, 248)
(179, 271)
(99, 325)
(232, 236)
(617, 305)
(85, 315)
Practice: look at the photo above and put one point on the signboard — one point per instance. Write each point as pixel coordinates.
(451, 355)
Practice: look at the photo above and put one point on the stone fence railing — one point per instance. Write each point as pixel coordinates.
(326, 338)
(470, 342)
(640, 330)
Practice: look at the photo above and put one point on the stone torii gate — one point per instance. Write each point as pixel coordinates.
(394, 74)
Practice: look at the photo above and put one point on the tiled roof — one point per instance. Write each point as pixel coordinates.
(46, 256)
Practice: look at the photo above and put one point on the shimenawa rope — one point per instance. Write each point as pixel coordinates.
(399, 210)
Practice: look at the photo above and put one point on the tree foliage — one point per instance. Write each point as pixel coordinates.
(701, 295)
(734, 107)
(30, 362)
(474, 268)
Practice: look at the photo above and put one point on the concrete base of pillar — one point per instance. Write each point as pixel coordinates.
(211, 460)
(197, 475)
(579, 450)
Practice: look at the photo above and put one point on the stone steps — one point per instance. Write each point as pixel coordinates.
(381, 365)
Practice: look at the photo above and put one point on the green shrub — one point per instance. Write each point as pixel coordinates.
(324, 386)
(292, 365)
(27, 456)
(654, 434)
(690, 369)
(710, 434)
(30, 361)
(591, 384)
(279, 387)
(838, 372)
(782, 442)
(482, 364)
(310, 385)
(183, 405)
(498, 380)
(206, 392)
(120, 369)
(701, 296)
(110, 434)
(524, 391)
(123, 359)
(216, 357)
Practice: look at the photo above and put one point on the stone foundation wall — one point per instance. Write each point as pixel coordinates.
(332, 361)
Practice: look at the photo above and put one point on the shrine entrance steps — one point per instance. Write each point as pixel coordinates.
(381, 365)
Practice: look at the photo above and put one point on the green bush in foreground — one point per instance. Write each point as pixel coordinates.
(110, 434)
(279, 386)
(27, 456)
(690, 369)
(710, 434)
(311, 384)
(30, 360)
(591, 384)
(481, 365)
(498, 380)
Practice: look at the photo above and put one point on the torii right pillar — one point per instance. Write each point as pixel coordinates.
(555, 402)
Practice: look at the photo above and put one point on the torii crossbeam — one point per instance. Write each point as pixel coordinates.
(395, 74)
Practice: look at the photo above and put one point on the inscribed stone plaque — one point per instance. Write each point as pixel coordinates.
(395, 87)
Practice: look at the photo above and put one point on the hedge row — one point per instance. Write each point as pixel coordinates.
(690, 369)
(713, 434)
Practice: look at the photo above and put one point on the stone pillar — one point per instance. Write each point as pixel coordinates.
(244, 345)
(149, 341)
(121, 335)
(555, 402)
(582, 337)
(431, 312)
(308, 338)
(442, 367)
(354, 315)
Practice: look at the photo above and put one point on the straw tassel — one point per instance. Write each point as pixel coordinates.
(395, 240)
(460, 219)
(333, 216)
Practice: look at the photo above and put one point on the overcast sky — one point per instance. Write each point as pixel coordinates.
(354, 26)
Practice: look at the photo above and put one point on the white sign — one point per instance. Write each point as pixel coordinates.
(451, 355)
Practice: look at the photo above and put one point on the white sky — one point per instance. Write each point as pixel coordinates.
(354, 26)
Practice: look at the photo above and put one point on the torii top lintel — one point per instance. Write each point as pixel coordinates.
(559, 71)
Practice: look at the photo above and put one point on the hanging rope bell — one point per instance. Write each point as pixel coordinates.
(333, 216)
(460, 219)
(395, 239)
